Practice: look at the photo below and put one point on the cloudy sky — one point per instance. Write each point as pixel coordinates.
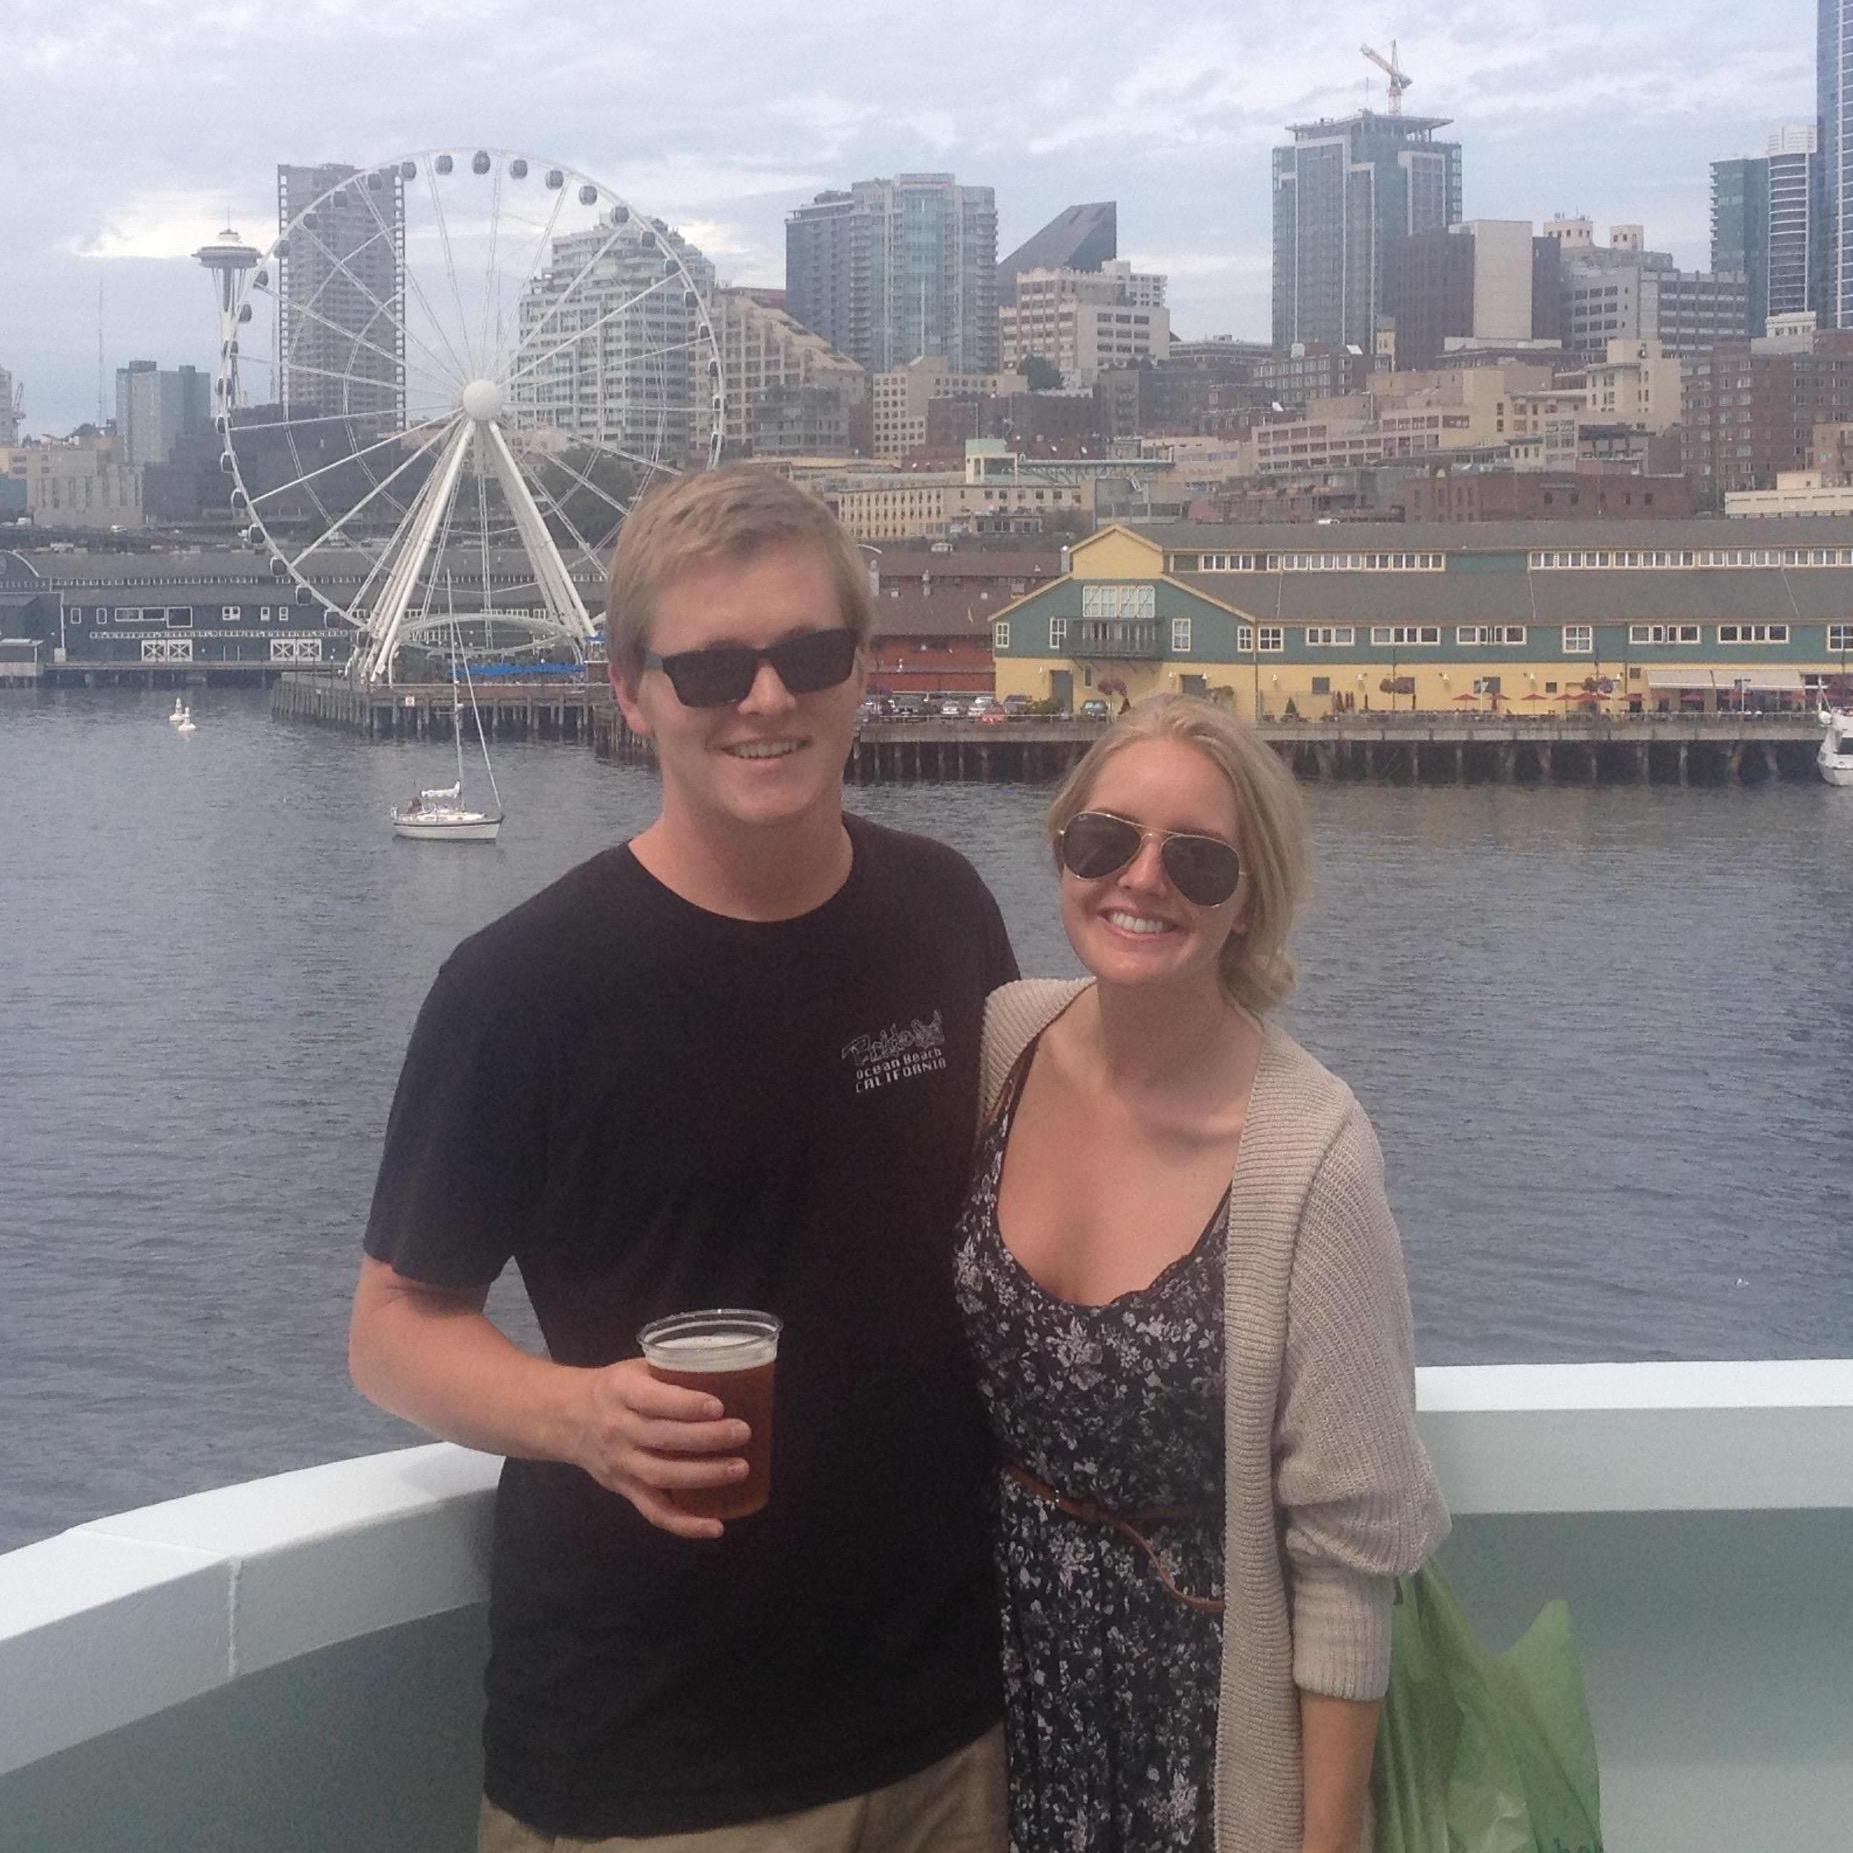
(136, 128)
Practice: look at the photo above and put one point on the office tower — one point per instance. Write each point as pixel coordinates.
(894, 270)
(9, 415)
(628, 384)
(340, 284)
(1834, 120)
(1488, 282)
(1077, 238)
(1347, 192)
(1766, 220)
(156, 407)
(1625, 292)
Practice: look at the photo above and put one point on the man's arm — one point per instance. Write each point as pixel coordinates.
(431, 1355)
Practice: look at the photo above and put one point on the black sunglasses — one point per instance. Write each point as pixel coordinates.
(717, 677)
(1203, 869)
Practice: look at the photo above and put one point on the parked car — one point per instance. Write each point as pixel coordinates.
(952, 710)
(1094, 709)
(1016, 706)
(983, 704)
(993, 717)
(869, 711)
(911, 707)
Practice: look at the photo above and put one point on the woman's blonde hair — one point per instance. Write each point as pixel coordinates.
(725, 514)
(1256, 970)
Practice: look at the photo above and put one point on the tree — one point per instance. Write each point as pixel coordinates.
(1042, 375)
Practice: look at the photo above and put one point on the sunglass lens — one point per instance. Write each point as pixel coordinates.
(1202, 870)
(1094, 845)
(817, 660)
(711, 678)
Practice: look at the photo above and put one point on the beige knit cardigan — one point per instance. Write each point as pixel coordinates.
(1330, 1493)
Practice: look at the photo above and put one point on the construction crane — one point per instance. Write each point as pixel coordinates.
(1400, 79)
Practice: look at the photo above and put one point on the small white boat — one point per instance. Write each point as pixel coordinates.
(183, 721)
(1835, 757)
(179, 714)
(440, 816)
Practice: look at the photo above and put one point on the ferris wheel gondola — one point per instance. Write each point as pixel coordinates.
(460, 369)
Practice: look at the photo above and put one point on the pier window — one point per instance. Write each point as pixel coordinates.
(1273, 637)
(1753, 633)
(1118, 601)
(1180, 636)
(1000, 634)
(1058, 633)
(1579, 639)
(1322, 685)
(1489, 633)
(1330, 636)
(1840, 637)
(1663, 633)
(1409, 635)
(229, 614)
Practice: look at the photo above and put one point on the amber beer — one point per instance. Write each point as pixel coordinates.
(731, 1354)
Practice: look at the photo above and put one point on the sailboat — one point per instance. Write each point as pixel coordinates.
(179, 714)
(440, 816)
(183, 721)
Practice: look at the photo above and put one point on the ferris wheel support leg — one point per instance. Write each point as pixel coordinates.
(421, 532)
(555, 582)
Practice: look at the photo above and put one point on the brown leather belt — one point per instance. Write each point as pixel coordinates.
(1128, 1528)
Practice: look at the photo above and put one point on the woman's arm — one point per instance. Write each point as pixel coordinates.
(1337, 1738)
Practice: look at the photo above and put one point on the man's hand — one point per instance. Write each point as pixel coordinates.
(646, 1440)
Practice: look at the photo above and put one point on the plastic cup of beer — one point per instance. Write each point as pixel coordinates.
(731, 1354)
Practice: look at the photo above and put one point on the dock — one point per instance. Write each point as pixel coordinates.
(544, 709)
(1410, 749)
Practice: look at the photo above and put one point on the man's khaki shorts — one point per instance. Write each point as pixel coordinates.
(956, 1805)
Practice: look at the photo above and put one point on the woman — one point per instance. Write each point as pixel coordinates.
(1185, 1292)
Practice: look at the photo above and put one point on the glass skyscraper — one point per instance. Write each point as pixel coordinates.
(1346, 192)
(1834, 102)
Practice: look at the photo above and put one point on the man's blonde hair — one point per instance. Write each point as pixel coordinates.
(725, 514)
(1256, 971)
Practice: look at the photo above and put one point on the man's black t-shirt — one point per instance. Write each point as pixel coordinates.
(652, 1108)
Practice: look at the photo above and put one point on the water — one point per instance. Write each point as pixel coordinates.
(1606, 1037)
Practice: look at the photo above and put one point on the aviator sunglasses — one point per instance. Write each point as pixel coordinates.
(724, 674)
(1203, 869)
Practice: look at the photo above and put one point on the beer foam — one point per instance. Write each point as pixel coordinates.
(696, 1351)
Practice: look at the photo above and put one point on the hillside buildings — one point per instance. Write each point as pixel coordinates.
(891, 271)
(340, 264)
(788, 391)
(1347, 193)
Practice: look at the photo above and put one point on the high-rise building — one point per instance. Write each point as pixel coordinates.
(1767, 221)
(1625, 292)
(898, 270)
(789, 392)
(1751, 409)
(156, 407)
(1347, 192)
(629, 384)
(1077, 238)
(340, 289)
(1488, 282)
(1834, 120)
(9, 419)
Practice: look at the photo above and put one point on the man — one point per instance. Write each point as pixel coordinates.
(732, 1062)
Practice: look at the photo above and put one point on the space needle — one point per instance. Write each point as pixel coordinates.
(227, 258)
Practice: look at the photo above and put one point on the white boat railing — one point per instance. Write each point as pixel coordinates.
(1699, 1517)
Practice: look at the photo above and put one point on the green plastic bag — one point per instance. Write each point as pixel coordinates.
(1480, 1752)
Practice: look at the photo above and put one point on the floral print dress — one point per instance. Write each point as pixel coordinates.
(1111, 1682)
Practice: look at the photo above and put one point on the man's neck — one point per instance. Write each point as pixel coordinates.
(775, 873)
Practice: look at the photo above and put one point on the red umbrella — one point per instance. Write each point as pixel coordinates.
(1535, 696)
(1466, 697)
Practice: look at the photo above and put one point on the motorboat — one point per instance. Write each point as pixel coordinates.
(183, 722)
(1835, 756)
(179, 713)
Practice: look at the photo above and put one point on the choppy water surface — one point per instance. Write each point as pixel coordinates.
(1606, 1035)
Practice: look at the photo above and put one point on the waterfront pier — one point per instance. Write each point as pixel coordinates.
(1409, 749)
(551, 709)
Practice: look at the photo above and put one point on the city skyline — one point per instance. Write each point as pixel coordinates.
(1171, 113)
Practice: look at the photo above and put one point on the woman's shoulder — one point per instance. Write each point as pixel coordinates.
(1014, 1015)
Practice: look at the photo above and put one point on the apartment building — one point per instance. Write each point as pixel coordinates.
(900, 399)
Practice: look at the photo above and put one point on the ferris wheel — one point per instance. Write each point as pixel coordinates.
(446, 383)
